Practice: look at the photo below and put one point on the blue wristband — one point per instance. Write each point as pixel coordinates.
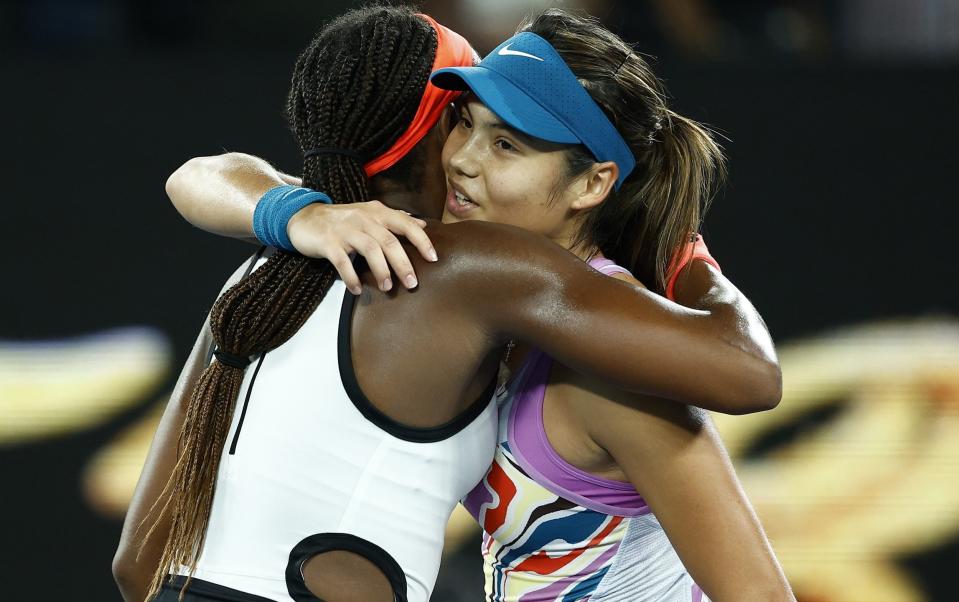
(275, 209)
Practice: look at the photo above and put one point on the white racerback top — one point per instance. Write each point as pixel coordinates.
(311, 466)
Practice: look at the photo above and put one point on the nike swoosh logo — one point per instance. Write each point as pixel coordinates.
(505, 51)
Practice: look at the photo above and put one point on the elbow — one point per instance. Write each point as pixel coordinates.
(178, 184)
(775, 591)
(179, 179)
(765, 584)
(132, 578)
(757, 593)
(761, 391)
(122, 568)
(769, 387)
(182, 185)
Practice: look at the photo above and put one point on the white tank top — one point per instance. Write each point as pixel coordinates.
(311, 466)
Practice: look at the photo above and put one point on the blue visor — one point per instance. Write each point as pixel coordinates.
(529, 86)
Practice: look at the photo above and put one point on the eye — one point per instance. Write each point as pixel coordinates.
(465, 122)
(454, 118)
(504, 145)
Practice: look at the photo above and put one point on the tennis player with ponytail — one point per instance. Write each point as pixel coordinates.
(362, 422)
(567, 132)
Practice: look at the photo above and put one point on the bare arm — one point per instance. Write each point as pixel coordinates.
(675, 459)
(219, 194)
(702, 286)
(132, 574)
(516, 284)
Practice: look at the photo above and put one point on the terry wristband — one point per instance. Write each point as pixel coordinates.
(275, 209)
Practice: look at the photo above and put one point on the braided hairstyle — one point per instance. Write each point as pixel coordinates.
(357, 86)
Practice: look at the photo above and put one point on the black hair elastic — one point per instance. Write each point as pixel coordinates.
(332, 150)
(234, 361)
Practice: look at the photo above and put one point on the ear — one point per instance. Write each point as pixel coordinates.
(595, 185)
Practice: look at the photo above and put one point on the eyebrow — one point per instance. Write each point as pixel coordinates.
(491, 124)
(522, 137)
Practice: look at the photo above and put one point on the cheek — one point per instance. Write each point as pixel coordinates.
(524, 197)
(519, 194)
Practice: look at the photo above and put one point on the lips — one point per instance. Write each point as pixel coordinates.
(458, 203)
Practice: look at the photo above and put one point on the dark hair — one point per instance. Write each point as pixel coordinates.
(357, 86)
(660, 205)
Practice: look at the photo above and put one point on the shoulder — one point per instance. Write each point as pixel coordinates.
(499, 254)
(478, 241)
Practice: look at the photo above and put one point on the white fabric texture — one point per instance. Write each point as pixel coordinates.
(308, 462)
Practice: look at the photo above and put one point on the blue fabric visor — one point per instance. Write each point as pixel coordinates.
(529, 86)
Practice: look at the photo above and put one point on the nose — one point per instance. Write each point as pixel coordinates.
(464, 160)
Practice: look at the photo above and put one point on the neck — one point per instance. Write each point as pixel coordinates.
(585, 250)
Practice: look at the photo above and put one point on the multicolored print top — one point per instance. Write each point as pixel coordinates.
(553, 532)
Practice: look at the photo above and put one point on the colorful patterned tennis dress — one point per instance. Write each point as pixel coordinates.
(553, 532)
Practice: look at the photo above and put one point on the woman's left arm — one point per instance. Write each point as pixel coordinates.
(137, 558)
(674, 457)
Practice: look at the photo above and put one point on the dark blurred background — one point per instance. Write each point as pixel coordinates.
(840, 123)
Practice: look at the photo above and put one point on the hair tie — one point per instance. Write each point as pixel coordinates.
(234, 361)
(332, 150)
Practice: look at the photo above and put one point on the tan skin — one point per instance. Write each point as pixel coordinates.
(496, 283)
(672, 454)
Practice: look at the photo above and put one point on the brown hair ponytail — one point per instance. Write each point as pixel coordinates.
(682, 168)
(357, 86)
(662, 202)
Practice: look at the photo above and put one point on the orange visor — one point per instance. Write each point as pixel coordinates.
(452, 50)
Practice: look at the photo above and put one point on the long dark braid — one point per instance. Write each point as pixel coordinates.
(357, 87)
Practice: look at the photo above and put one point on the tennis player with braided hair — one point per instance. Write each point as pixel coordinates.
(358, 91)
(335, 471)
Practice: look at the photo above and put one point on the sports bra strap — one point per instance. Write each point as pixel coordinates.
(607, 266)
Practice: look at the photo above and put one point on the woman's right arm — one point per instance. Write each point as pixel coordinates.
(219, 194)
